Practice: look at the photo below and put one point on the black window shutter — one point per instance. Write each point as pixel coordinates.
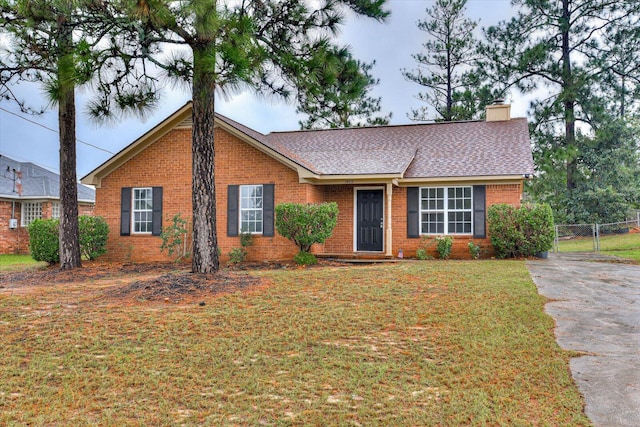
(156, 217)
(125, 211)
(267, 209)
(232, 210)
(479, 211)
(413, 212)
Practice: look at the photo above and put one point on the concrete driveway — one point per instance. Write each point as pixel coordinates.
(596, 306)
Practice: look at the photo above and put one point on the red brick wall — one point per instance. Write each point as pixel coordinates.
(12, 241)
(16, 241)
(495, 193)
(167, 163)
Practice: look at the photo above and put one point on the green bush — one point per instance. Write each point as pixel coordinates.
(306, 224)
(94, 232)
(175, 237)
(238, 255)
(421, 254)
(520, 232)
(43, 240)
(305, 258)
(474, 250)
(443, 245)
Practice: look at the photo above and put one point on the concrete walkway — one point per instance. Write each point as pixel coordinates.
(596, 306)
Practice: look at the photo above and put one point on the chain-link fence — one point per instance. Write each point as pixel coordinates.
(575, 238)
(591, 237)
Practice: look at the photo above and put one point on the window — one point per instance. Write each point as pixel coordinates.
(31, 211)
(251, 208)
(55, 209)
(142, 212)
(446, 210)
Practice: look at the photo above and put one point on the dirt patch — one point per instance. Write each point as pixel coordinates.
(185, 286)
(121, 283)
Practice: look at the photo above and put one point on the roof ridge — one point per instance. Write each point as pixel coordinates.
(389, 126)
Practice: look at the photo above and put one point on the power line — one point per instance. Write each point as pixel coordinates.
(53, 130)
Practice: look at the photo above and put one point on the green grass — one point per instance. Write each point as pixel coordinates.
(19, 262)
(443, 343)
(622, 245)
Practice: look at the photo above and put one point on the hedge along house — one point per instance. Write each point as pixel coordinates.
(393, 184)
(28, 192)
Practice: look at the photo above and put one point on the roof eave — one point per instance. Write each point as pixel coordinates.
(350, 179)
(493, 179)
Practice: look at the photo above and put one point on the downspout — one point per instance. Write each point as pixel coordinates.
(389, 233)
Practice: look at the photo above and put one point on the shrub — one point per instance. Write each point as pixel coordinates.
(306, 224)
(43, 240)
(238, 255)
(94, 232)
(520, 232)
(443, 246)
(421, 254)
(174, 238)
(474, 250)
(305, 258)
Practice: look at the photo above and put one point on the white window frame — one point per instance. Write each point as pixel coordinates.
(30, 212)
(253, 206)
(145, 211)
(445, 209)
(55, 210)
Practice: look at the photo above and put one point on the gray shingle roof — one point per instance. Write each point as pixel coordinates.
(36, 182)
(457, 149)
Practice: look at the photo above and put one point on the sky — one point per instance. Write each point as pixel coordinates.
(390, 44)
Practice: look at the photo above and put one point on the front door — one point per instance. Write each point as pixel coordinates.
(369, 223)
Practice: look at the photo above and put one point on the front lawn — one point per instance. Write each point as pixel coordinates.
(409, 344)
(18, 262)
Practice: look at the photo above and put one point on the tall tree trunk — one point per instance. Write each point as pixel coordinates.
(205, 240)
(568, 96)
(69, 230)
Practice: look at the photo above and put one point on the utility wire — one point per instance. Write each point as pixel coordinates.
(53, 130)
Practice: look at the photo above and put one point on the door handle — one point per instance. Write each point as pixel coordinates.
(381, 223)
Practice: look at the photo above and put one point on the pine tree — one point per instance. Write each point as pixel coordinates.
(341, 98)
(271, 47)
(446, 66)
(63, 45)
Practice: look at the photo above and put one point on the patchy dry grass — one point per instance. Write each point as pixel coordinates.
(424, 343)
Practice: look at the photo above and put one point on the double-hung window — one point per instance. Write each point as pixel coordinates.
(251, 204)
(142, 212)
(31, 211)
(446, 210)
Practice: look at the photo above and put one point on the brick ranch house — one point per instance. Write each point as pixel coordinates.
(393, 184)
(28, 192)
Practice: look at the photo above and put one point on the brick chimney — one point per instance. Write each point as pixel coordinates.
(498, 111)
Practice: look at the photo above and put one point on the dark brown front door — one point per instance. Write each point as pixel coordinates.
(370, 220)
